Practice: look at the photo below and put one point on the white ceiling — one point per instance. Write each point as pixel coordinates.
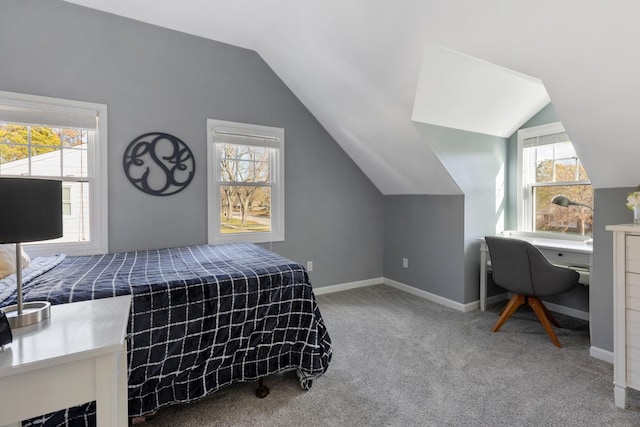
(356, 64)
(461, 92)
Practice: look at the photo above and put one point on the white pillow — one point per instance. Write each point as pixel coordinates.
(8, 260)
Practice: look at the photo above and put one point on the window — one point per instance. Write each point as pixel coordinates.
(550, 167)
(61, 139)
(246, 182)
(66, 201)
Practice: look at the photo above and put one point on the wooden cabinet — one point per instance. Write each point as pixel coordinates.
(626, 310)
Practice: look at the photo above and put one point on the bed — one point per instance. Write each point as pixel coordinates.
(202, 317)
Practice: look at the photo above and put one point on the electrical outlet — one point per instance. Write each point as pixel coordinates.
(309, 265)
(405, 262)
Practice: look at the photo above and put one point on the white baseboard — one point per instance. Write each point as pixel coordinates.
(400, 286)
(346, 286)
(578, 314)
(490, 300)
(598, 353)
(431, 297)
(472, 306)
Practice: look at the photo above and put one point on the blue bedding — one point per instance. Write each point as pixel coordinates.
(202, 317)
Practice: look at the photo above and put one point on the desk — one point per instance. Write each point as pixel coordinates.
(76, 356)
(574, 254)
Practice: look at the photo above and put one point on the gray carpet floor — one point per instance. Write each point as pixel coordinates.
(402, 361)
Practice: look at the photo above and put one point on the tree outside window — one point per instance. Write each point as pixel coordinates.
(551, 167)
(246, 182)
(245, 201)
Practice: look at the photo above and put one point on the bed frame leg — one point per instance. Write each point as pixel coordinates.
(262, 391)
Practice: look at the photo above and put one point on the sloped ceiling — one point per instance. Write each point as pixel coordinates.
(461, 92)
(356, 64)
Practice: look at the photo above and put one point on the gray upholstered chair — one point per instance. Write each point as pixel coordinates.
(520, 268)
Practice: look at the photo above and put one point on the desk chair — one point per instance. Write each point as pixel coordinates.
(520, 268)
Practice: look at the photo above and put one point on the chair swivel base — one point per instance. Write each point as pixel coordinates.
(544, 315)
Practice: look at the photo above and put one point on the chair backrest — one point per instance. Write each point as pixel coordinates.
(520, 267)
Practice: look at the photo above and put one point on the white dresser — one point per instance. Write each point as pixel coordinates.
(626, 310)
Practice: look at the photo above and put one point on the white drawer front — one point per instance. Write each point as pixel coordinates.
(633, 355)
(633, 348)
(633, 328)
(633, 291)
(633, 254)
(567, 258)
(633, 376)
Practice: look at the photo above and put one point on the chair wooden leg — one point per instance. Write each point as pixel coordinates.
(550, 316)
(539, 309)
(511, 307)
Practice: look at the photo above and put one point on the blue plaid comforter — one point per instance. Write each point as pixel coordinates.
(202, 317)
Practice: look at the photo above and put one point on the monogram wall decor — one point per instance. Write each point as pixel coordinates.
(159, 164)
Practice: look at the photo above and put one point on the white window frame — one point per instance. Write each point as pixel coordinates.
(97, 171)
(524, 193)
(221, 131)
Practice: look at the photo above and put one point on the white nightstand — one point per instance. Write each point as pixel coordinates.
(77, 356)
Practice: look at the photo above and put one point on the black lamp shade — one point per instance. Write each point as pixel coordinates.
(30, 209)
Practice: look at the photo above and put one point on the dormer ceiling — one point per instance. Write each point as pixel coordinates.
(356, 65)
(461, 92)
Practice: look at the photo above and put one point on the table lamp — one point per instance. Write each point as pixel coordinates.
(565, 202)
(31, 210)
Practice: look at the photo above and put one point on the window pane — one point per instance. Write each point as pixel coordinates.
(74, 161)
(564, 150)
(245, 209)
(557, 163)
(14, 149)
(45, 161)
(76, 225)
(74, 137)
(75, 209)
(570, 220)
(244, 163)
(12, 167)
(38, 151)
(566, 170)
(582, 173)
(544, 171)
(544, 152)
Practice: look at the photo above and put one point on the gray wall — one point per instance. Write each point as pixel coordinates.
(609, 208)
(477, 164)
(154, 79)
(429, 232)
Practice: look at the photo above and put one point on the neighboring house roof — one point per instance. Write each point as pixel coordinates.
(48, 164)
(356, 66)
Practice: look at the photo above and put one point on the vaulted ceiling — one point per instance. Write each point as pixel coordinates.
(357, 64)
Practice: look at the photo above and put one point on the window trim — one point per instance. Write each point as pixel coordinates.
(221, 131)
(97, 159)
(524, 200)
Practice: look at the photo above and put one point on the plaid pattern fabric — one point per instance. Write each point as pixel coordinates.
(202, 317)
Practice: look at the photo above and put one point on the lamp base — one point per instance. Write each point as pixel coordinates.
(32, 312)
